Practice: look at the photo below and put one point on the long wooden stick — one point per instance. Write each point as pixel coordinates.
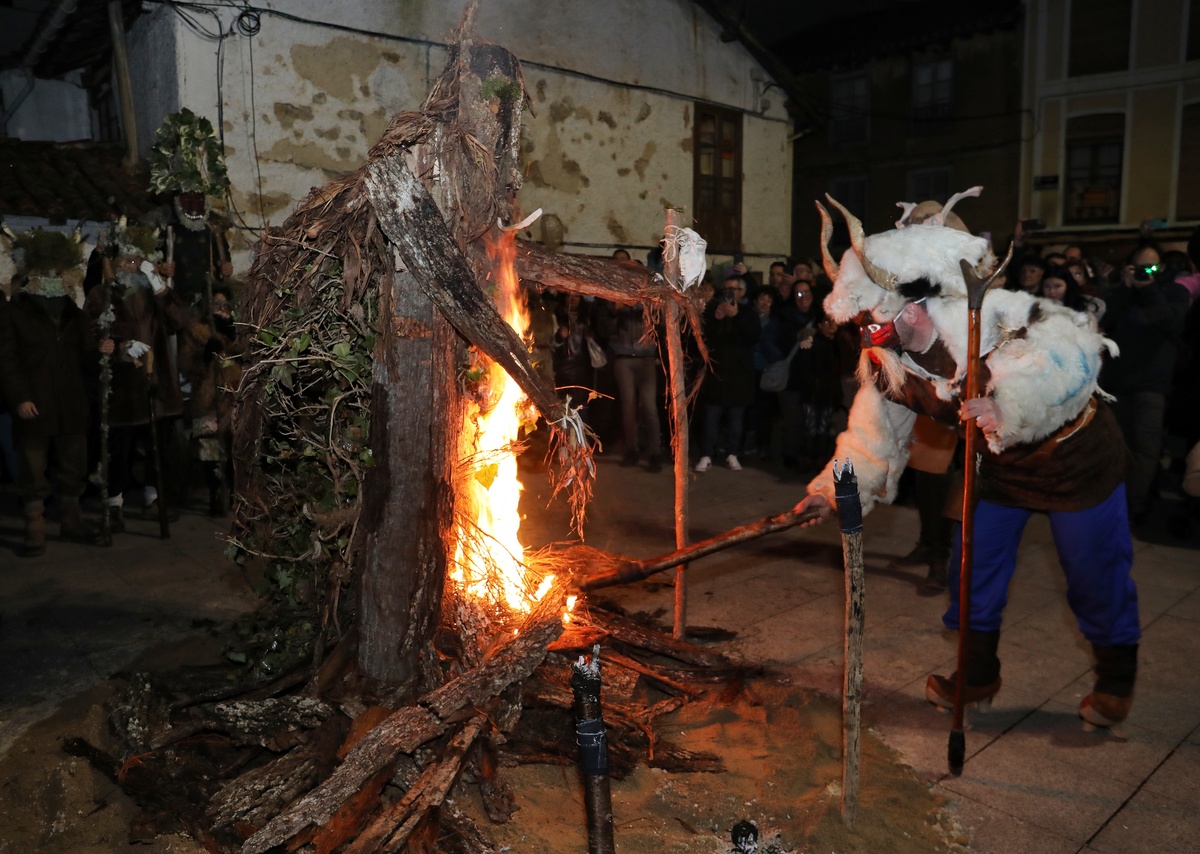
(849, 507)
(630, 570)
(679, 424)
(164, 526)
(101, 477)
(956, 749)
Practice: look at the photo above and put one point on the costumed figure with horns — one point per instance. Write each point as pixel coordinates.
(1051, 443)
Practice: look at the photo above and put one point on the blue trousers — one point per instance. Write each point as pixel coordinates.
(1095, 551)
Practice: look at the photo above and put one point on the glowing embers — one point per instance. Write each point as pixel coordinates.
(489, 561)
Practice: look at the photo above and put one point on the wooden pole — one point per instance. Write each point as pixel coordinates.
(956, 748)
(850, 513)
(116, 28)
(629, 570)
(679, 422)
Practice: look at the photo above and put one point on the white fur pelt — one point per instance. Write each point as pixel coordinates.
(1042, 373)
(921, 252)
(1043, 364)
(876, 440)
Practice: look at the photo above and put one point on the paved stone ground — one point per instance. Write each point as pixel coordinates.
(1034, 780)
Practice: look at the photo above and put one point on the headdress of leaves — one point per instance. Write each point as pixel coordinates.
(133, 240)
(39, 252)
(187, 157)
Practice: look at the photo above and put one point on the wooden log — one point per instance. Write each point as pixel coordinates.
(411, 220)
(390, 831)
(622, 282)
(275, 723)
(405, 493)
(461, 836)
(260, 793)
(628, 632)
(405, 730)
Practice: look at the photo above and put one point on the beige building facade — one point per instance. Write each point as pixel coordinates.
(637, 105)
(1112, 129)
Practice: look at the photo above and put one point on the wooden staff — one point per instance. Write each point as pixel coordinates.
(956, 749)
(164, 527)
(101, 476)
(679, 423)
(849, 507)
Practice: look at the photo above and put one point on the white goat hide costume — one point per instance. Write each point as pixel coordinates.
(1043, 359)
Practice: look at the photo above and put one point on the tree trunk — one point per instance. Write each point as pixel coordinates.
(405, 497)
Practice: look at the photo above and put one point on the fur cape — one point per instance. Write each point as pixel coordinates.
(1043, 359)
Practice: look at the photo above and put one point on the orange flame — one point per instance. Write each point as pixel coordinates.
(489, 558)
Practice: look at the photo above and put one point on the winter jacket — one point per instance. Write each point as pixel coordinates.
(730, 342)
(44, 359)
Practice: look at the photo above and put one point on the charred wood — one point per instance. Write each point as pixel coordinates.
(410, 727)
(260, 793)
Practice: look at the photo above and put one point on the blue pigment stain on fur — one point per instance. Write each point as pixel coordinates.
(1085, 373)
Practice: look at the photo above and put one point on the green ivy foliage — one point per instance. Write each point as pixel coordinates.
(187, 157)
(313, 384)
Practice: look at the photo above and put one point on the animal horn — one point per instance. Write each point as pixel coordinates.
(831, 267)
(955, 199)
(878, 275)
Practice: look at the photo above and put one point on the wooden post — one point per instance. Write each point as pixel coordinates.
(116, 28)
(679, 422)
(593, 752)
(850, 513)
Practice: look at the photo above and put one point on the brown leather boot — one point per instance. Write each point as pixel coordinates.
(1105, 709)
(939, 690)
(983, 675)
(1112, 696)
(35, 530)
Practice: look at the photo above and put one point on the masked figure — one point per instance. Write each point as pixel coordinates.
(1052, 444)
(45, 351)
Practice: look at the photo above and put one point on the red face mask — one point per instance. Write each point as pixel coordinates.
(880, 335)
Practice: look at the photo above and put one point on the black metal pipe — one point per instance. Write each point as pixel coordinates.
(593, 752)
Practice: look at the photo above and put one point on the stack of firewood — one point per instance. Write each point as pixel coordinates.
(298, 763)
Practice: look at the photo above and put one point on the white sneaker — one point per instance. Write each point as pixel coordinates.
(705, 464)
(732, 462)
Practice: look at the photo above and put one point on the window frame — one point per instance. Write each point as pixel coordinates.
(849, 118)
(1105, 151)
(717, 209)
(935, 113)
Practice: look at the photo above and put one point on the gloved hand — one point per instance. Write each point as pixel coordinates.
(156, 281)
(136, 349)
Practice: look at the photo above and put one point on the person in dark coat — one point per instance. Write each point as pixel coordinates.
(45, 345)
(147, 314)
(731, 329)
(1145, 316)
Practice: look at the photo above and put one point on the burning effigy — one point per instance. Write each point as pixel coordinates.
(387, 393)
